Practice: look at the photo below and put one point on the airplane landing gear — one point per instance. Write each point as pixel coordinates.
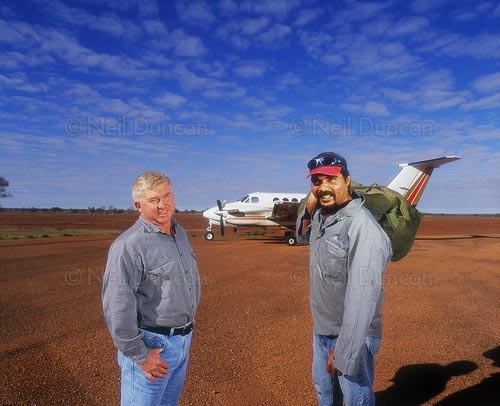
(209, 235)
(290, 238)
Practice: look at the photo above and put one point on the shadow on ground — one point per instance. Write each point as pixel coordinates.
(417, 384)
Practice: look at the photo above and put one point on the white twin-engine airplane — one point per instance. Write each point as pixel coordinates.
(260, 209)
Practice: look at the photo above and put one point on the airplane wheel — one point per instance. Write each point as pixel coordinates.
(209, 236)
(291, 240)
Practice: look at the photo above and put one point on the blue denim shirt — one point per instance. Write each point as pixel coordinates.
(349, 253)
(151, 280)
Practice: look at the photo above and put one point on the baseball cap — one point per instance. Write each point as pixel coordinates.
(327, 163)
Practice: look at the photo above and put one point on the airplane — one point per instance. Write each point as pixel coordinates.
(261, 209)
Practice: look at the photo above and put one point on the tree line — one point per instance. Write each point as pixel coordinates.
(4, 183)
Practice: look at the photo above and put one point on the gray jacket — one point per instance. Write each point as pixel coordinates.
(349, 253)
(151, 280)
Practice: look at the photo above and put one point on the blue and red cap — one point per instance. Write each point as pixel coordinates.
(327, 163)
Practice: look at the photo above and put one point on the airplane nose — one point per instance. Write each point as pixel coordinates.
(211, 213)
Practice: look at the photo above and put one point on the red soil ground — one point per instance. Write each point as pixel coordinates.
(252, 342)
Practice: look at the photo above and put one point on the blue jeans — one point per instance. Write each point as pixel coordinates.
(356, 390)
(138, 390)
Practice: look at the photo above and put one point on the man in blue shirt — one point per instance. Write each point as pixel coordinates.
(349, 252)
(151, 289)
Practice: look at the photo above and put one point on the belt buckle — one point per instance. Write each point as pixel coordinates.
(184, 330)
(187, 328)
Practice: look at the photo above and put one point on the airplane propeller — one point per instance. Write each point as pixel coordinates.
(221, 218)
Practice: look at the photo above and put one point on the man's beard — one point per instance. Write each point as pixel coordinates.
(331, 209)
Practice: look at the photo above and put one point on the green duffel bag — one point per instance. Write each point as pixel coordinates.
(398, 218)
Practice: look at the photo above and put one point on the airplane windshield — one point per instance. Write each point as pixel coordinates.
(243, 199)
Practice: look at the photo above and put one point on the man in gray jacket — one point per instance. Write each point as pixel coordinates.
(151, 289)
(349, 253)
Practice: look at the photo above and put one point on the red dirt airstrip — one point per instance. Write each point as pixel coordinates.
(252, 341)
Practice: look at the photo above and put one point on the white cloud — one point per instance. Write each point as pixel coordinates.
(251, 26)
(386, 59)
(357, 11)
(484, 103)
(148, 9)
(258, 32)
(370, 108)
(289, 80)
(187, 79)
(187, 46)
(408, 26)
(484, 46)
(423, 6)
(487, 83)
(435, 91)
(17, 34)
(154, 27)
(227, 8)
(397, 95)
(109, 24)
(307, 16)
(171, 100)
(195, 13)
(251, 69)
(496, 12)
(277, 8)
(229, 33)
(275, 36)
(316, 43)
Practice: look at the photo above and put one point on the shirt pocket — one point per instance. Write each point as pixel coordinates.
(162, 274)
(334, 259)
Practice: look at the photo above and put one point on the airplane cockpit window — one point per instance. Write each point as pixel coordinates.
(244, 199)
(255, 199)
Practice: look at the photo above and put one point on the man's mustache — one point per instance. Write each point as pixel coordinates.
(324, 193)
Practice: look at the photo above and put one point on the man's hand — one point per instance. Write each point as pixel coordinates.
(312, 203)
(330, 365)
(154, 367)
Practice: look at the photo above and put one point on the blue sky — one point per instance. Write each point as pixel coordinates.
(234, 97)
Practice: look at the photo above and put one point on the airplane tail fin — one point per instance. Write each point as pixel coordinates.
(412, 179)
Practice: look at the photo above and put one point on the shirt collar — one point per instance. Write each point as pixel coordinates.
(151, 228)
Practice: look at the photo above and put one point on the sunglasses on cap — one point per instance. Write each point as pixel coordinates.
(324, 161)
